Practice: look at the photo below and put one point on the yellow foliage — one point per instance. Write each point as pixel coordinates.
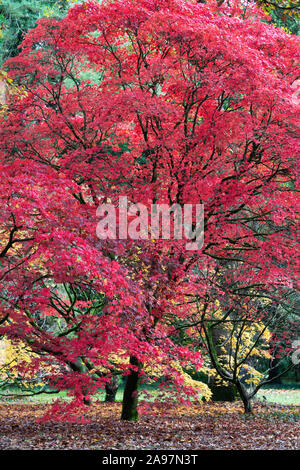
(8, 90)
(10, 356)
(237, 345)
(157, 371)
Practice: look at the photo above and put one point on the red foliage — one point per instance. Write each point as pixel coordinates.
(189, 103)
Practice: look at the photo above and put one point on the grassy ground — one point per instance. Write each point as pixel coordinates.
(285, 394)
(281, 394)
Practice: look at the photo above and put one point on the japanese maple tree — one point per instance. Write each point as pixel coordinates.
(187, 103)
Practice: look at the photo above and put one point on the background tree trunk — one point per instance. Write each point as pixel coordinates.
(111, 389)
(224, 391)
(244, 396)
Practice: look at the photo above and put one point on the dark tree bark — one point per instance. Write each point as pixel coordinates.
(226, 391)
(78, 366)
(111, 389)
(244, 397)
(130, 397)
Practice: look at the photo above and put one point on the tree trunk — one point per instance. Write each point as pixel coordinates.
(224, 391)
(78, 366)
(130, 397)
(245, 398)
(111, 389)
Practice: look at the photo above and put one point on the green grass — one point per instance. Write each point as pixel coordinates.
(45, 398)
(281, 394)
(286, 394)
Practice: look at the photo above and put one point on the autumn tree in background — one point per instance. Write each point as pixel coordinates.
(282, 13)
(188, 104)
(246, 332)
(18, 16)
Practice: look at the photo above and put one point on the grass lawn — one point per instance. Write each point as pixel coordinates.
(285, 394)
(281, 394)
